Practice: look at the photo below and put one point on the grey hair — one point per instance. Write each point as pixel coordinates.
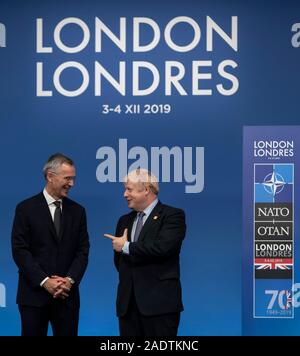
(55, 161)
(144, 177)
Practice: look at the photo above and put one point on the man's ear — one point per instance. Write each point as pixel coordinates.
(49, 177)
(147, 190)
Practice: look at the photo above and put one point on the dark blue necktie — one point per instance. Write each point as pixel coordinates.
(139, 225)
(57, 217)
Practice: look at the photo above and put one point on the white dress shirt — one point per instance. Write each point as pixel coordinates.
(50, 201)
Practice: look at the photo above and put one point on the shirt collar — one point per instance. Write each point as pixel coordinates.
(50, 200)
(150, 207)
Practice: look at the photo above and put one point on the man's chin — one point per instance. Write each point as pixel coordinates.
(64, 194)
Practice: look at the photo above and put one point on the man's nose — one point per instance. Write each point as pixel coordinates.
(71, 182)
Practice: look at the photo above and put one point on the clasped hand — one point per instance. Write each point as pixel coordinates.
(58, 286)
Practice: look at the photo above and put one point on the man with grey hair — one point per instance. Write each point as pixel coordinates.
(146, 247)
(50, 246)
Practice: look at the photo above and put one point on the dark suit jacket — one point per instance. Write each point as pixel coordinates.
(40, 253)
(151, 271)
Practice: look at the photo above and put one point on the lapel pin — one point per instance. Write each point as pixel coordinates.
(155, 217)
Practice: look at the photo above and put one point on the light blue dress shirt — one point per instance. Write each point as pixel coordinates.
(147, 212)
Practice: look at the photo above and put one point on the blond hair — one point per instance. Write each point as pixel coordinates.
(144, 177)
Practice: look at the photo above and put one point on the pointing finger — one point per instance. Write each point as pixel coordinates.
(110, 236)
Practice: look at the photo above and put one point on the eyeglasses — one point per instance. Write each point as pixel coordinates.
(70, 179)
(67, 179)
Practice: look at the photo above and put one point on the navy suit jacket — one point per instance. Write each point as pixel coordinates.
(40, 253)
(152, 270)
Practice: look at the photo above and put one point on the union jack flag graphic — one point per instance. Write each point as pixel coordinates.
(289, 300)
(273, 263)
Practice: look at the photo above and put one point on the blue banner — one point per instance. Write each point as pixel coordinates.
(167, 86)
(271, 243)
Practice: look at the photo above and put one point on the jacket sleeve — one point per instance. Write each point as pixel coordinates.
(79, 264)
(117, 255)
(21, 249)
(166, 243)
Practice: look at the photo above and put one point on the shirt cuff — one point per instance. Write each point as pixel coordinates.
(43, 281)
(125, 248)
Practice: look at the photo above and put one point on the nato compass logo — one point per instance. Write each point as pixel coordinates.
(274, 183)
(2, 35)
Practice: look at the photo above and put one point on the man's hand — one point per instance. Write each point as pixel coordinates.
(118, 242)
(52, 285)
(64, 287)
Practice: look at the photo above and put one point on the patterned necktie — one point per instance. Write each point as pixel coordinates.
(57, 217)
(139, 225)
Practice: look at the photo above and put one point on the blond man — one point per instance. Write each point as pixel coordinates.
(147, 246)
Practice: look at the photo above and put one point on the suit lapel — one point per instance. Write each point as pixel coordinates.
(131, 218)
(152, 220)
